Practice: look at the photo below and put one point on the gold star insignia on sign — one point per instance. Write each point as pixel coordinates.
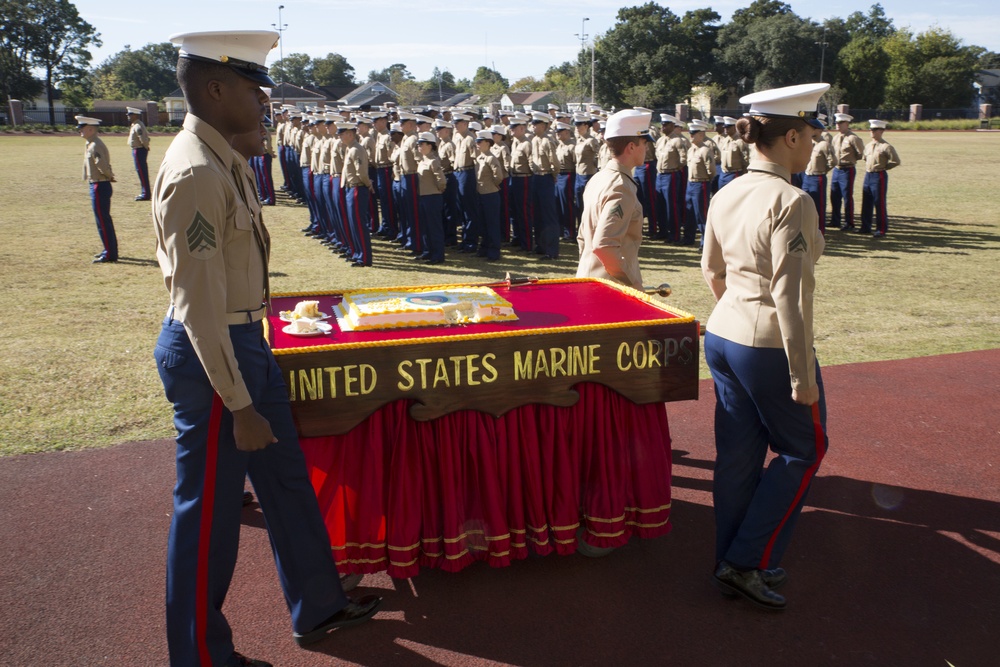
(201, 237)
(798, 245)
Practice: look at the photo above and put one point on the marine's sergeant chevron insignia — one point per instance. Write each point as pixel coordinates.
(201, 238)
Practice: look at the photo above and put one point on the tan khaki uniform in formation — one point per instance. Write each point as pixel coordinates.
(138, 137)
(446, 153)
(316, 149)
(465, 151)
(325, 154)
(520, 157)
(430, 175)
(603, 156)
(543, 156)
(735, 155)
(701, 161)
(880, 156)
(585, 154)
(368, 145)
(821, 161)
(671, 154)
(337, 153)
(847, 149)
(716, 152)
(306, 149)
(268, 146)
(566, 157)
(654, 136)
(408, 155)
(502, 153)
(762, 242)
(97, 162)
(355, 172)
(611, 227)
(212, 248)
(489, 174)
(383, 150)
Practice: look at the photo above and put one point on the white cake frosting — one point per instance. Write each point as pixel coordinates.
(401, 308)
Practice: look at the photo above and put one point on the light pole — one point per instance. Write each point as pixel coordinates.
(281, 27)
(822, 54)
(592, 64)
(582, 35)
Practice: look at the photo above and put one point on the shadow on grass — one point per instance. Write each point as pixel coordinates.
(914, 235)
(138, 261)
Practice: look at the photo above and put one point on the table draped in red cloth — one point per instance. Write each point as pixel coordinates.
(399, 494)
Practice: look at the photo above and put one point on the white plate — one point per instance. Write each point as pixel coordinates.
(322, 328)
(286, 318)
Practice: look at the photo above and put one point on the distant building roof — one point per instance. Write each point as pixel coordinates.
(366, 92)
(988, 78)
(288, 91)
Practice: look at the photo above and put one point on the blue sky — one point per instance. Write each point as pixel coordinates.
(516, 37)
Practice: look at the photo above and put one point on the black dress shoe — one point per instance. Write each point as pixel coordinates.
(774, 578)
(354, 613)
(103, 260)
(247, 498)
(240, 660)
(141, 198)
(749, 584)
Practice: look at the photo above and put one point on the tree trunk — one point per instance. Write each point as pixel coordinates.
(50, 94)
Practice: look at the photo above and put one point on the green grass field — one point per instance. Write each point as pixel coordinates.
(76, 339)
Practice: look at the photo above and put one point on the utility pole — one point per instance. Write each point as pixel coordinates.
(582, 36)
(592, 63)
(281, 27)
(822, 54)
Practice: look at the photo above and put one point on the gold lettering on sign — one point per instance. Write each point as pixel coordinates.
(649, 353)
(556, 362)
(491, 372)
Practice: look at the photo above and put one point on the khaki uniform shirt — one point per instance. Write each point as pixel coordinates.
(566, 157)
(325, 155)
(465, 151)
(408, 154)
(316, 149)
(762, 242)
(383, 150)
(611, 227)
(701, 162)
(543, 156)
(489, 174)
(337, 153)
(654, 136)
(97, 162)
(446, 153)
(212, 247)
(880, 156)
(847, 149)
(368, 144)
(430, 175)
(735, 155)
(685, 139)
(138, 137)
(821, 160)
(355, 172)
(585, 154)
(502, 154)
(268, 147)
(520, 157)
(279, 133)
(604, 156)
(671, 154)
(305, 151)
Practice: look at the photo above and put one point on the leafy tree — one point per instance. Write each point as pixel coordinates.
(564, 80)
(393, 75)
(862, 63)
(60, 44)
(489, 85)
(17, 35)
(987, 59)
(769, 45)
(651, 56)
(527, 84)
(933, 69)
(409, 92)
(295, 68)
(149, 73)
(333, 70)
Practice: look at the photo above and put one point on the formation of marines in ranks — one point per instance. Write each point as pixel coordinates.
(431, 177)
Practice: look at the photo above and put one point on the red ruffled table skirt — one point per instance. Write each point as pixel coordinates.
(398, 494)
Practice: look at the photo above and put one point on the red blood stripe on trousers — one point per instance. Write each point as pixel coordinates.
(205, 532)
(100, 215)
(803, 485)
(360, 228)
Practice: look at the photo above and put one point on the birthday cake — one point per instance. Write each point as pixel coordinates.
(363, 310)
